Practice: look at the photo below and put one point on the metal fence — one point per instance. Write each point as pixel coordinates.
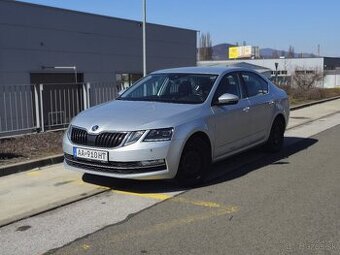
(17, 113)
(40, 107)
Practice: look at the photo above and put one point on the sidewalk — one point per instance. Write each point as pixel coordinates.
(305, 115)
(28, 193)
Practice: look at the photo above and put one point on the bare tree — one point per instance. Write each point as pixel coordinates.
(307, 79)
(205, 47)
(283, 53)
(275, 54)
(291, 52)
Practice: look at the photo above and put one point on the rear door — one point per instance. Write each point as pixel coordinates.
(261, 105)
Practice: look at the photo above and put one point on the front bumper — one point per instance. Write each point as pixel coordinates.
(129, 162)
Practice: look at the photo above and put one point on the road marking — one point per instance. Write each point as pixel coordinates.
(34, 173)
(197, 202)
(166, 226)
(85, 247)
(145, 195)
(162, 197)
(74, 226)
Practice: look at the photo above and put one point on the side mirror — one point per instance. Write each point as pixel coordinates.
(227, 99)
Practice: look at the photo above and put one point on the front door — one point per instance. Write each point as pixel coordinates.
(231, 121)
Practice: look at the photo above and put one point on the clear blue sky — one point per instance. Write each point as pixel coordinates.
(265, 23)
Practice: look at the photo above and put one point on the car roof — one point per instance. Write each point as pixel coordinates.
(201, 70)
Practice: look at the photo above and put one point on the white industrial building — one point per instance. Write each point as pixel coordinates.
(286, 67)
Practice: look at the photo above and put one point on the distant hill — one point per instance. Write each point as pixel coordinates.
(269, 52)
(220, 52)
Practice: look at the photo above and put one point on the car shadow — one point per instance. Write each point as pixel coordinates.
(249, 161)
(226, 170)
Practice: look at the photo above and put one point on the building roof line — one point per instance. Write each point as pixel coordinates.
(93, 14)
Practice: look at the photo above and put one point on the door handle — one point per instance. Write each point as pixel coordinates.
(246, 109)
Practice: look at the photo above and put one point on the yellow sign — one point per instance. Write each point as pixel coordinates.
(233, 52)
(240, 52)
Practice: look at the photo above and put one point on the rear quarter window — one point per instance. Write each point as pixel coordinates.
(255, 85)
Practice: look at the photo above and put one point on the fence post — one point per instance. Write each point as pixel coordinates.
(84, 96)
(37, 112)
(88, 86)
(41, 88)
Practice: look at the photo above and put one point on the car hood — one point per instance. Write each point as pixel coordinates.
(120, 115)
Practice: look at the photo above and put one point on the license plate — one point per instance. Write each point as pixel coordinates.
(96, 155)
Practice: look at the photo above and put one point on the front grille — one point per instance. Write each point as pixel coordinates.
(79, 136)
(109, 139)
(105, 140)
(111, 166)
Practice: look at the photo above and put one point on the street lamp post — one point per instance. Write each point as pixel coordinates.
(276, 66)
(198, 45)
(144, 37)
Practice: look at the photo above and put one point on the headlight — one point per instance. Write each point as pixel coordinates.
(134, 137)
(159, 135)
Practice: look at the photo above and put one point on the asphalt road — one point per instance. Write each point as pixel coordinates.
(282, 204)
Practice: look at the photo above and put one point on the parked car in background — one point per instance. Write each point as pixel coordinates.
(174, 123)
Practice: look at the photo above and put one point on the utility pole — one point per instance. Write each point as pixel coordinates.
(276, 66)
(144, 37)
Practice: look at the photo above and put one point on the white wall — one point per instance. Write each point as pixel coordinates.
(287, 64)
(332, 80)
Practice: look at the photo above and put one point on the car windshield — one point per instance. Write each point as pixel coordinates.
(171, 88)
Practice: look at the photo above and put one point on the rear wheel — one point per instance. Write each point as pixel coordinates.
(194, 163)
(276, 137)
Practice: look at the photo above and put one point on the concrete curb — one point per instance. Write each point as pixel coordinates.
(25, 166)
(29, 165)
(300, 106)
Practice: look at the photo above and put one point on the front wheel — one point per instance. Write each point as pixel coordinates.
(194, 163)
(276, 137)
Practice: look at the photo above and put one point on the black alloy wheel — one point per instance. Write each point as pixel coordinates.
(276, 137)
(194, 163)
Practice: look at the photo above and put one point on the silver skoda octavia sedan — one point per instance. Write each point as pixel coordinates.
(174, 123)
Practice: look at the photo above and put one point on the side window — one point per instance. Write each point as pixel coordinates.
(254, 84)
(229, 84)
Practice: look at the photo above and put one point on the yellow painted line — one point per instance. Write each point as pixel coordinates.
(197, 202)
(155, 196)
(98, 187)
(85, 247)
(80, 182)
(168, 225)
(34, 173)
(159, 196)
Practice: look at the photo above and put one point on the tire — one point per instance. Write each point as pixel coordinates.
(276, 137)
(194, 164)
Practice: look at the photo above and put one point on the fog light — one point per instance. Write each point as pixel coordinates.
(157, 162)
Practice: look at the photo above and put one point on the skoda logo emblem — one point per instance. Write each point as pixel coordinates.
(95, 127)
